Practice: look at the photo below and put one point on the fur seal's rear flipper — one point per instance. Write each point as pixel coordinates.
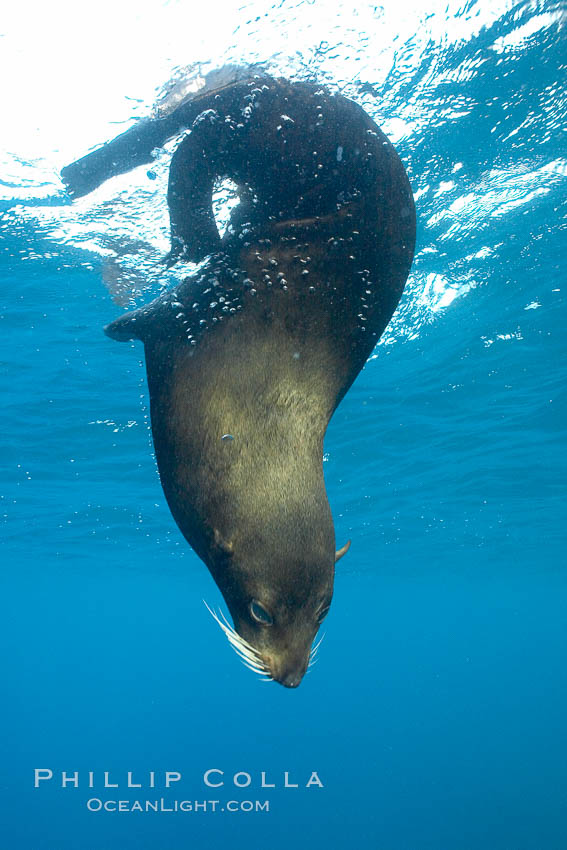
(135, 146)
(248, 358)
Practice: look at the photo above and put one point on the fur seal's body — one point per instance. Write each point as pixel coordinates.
(248, 359)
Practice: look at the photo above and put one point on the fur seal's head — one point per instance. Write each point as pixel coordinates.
(276, 620)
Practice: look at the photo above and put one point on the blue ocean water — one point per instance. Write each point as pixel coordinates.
(435, 718)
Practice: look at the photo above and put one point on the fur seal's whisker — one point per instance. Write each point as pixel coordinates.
(254, 670)
(246, 657)
(243, 651)
(241, 655)
(249, 656)
(315, 649)
(236, 643)
(251, 667)
(238, 638)
(262, 674)
(314, 653)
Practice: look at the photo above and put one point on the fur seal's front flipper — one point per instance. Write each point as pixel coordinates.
(140, 323)
(248, 358)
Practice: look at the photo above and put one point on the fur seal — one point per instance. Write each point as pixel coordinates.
(248, 358)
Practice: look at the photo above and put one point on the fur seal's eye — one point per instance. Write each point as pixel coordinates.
(260, 614)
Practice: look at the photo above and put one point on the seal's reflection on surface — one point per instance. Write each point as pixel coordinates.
(248, 359)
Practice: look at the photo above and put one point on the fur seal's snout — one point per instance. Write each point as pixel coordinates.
(248, 358)
(282, 661)
(290, 678)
